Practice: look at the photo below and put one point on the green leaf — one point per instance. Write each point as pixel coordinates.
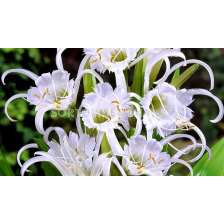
(154, 72)
(49, 168)
(89, 81)
(213, 167)
(137, 81)
(5, 169)
(176, 74)
(180, 80)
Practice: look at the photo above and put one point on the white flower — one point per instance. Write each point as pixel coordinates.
(166, 109)
(105, 109)
(52, 92)
(112, 59)
(145, 157)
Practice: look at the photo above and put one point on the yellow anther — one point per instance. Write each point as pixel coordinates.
(119, 118)
(58, 107)
(139, 167)
(191, 127)
(126, 109)
(118, 107)
(56, 101)
(48, 92)
(154, 160)
(44, 95)
(36, 95)
(150, 156)
(72, 169)
(76, 150)
(116, 122)
(108, 116)
(67, 165)
(55, 142)
(99, 49)
(160, 161)
(93, 61)
(108, 68)
(104, 65)
(114, 101)
(140, 171)
(184, 122)
(99, 55)
(182, 126)
(112, 58)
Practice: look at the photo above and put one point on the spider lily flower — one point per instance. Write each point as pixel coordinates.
(52, 92)
(73, 155)
(166, 109)
(105, 109)
(112, 59)
(145, 157)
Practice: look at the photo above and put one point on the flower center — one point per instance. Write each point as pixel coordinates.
(101, 117)
(118, 55)
(157, 103)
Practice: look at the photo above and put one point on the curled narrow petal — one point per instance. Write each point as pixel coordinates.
(79, 77)
(176, 136)
(69, 150)
(10, 100)
(116, 162)
(190, 147)
(29, 146)
(83, 63)
(193, 92)
(193, 61)
(107, 166)
(61, 133)
(98, 164)
(31, 161)
(120, 79)
(136, 96)
(184, 163)
(78, 125)
(163, 79)
(39, 119)
(203, 141)
(99, 138)
(58, 163)
(114, 144)
(155, 59)
(59, 59)
(22, 71)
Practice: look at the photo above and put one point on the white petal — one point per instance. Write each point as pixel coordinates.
(135, 96)
(78, 125)
(120, 79)
(10, 100)
(83, 63)
(164, 78)
(39, 119)
(78, 168)
(23, 149)
(107, 166)
(98, 164)
(114, 144)
(207, 93)
(58, 163)
(116, 162)
(22, 71)
(32, 161)
(184, 163)
(99, 138)
(154, 60)
(193, 61)
(59, 60)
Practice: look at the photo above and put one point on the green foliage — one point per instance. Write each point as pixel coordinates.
(180, 80)
(213, 167)
(5, 169)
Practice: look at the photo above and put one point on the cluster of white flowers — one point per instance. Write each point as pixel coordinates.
(161, 110)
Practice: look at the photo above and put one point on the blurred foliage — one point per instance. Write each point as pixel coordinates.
(14, 135)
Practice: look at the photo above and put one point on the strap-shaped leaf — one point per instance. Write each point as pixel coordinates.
(180, 80)
(5, 169)
(213, 167)
(49, 168)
